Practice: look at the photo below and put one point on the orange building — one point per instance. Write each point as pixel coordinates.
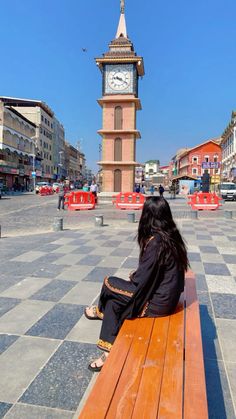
(204, 158)
(121, 69)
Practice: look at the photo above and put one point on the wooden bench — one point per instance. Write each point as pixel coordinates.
(155, 368)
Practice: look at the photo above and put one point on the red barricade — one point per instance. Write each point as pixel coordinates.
(46, 190)
(80, 200)
(129, 200)
(204, 201)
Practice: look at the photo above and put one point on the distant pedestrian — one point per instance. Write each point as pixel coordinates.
(152, 189)
(86, 187)
(161, 190)
(137, 189)
(61, 195)
(94, 190)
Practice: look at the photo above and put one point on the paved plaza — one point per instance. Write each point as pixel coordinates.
(47, 279)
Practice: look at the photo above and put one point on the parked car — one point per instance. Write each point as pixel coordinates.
(228, 190)
(55, 185)
(39, 185)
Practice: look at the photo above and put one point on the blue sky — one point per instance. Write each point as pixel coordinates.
(189, 88)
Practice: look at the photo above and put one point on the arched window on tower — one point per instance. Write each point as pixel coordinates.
(117, 180)
(118, 118)
(117, 149)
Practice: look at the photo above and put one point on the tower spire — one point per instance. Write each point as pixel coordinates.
(121, 30)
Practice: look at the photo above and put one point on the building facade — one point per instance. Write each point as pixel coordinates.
(152, 168)
(121, 69)
(228, 146)
(204, 158)
(17, 148)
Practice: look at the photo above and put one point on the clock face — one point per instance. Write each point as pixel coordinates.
(119, 78)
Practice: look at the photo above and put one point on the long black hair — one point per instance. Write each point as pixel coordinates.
(157, 218)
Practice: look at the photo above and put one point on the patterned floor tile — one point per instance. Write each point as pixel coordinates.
(6, 304)
(212, 258)
(229, 258)
(67, 248)
(91, 260)
(216, 269)
(121, 252)
(26, 287)
(208, 249)
(58, 322)
(221, 284)
(82, 295)
(6, 341)
(113, 261)
(232, 269)
(194, 257)
(98, 274)
(111, 243)
(226, 330)
(203, 237)
(85, 250)
(48, 270)
(79, 333)
(75, 273)
(131, 263)
(4, 407)
(67, 368)
(201, 283)
(54, 291)
(28, 256)
(21, 363)
(24, 411)
(224, 305)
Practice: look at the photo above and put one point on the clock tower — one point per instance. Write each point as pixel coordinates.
(121, 68)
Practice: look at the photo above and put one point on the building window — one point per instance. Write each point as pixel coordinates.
(194, 159)
(215, 158)
(206, 159)
(118, 149)
(194, 171)
(118, 120)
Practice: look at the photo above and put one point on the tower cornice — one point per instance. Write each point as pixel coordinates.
(116, 59)
(120, 99)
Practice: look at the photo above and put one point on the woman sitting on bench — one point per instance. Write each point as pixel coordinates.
(154, 289)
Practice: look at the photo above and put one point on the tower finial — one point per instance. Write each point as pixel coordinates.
(122, 6)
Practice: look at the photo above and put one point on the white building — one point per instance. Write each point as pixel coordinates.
(228, 146)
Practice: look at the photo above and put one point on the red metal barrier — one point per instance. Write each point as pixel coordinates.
(80, 200)
(204, 201)
(129, 200)
(46, 190)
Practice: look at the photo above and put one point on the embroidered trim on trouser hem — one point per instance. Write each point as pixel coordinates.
(144, 310)
(99, 313)
(117, 290)
(106, 346)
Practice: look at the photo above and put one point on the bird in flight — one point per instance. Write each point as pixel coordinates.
(84, 49)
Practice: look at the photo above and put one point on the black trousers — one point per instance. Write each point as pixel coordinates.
(115, 295)
(61, 201)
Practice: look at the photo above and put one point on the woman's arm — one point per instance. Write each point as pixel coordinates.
(147, 261)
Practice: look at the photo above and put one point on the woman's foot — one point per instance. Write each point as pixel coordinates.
(92, 313)
(98, 363)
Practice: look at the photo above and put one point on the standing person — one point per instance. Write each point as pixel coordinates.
(61, 195)
(94, 189)
(154, 289)
(152, 189)
(161, 190)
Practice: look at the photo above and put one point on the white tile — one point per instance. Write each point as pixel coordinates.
(28, 256)
(221, 284)
(26, 287)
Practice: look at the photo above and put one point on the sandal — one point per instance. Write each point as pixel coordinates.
(95, 315)
(97, 368)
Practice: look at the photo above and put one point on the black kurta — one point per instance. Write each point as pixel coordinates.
(153, 291)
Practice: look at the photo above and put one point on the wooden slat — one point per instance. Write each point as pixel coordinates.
(195, 401)
(100, 397)
(171, 398)
(147, 401)
(126, 392)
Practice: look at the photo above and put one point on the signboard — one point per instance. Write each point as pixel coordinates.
(33, 174)
(210, 164)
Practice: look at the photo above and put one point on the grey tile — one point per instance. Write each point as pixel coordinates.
(25, 288)
(201, 283)
(216, 269)
(82, 294)
(232, 238)
(227, 334)
(91, 260)
(98, 274)
(67, 368)
(83, 250)
(75, 273)
(229, 258)
(58, 322)
(231, 370)
(194, 257)
(224, 305)
(4, 407)
(203, 237)
(113, 261)
(54, 291)
(6, 341)
(208, 249)
(30, 256)
(219, 407)
(20, 364)
(79, 333)
(131, 263)
(23, 316)
(26, 411)
(6, 304)
(210, 342)
(111, 243)
(48, 270)
(121, 252)
(7, 281)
